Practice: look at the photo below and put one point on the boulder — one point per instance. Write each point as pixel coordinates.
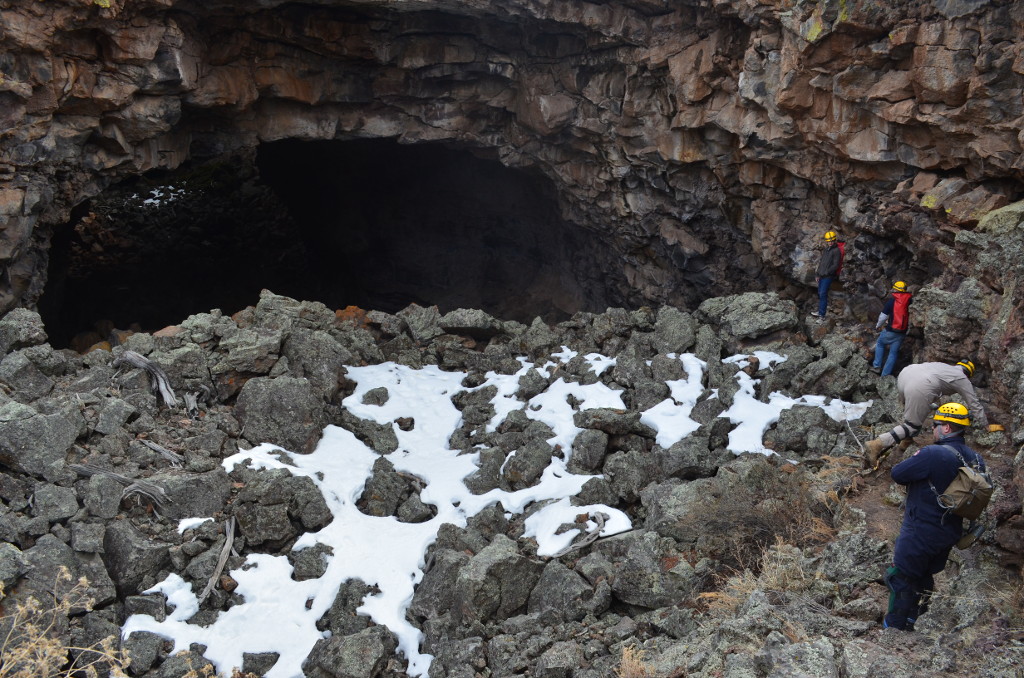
(26, 381)
(751, 315)
(35, 443)
(133, 560)
(360, 655)
(651, 571)
(20, 328)
(565, 595)
(284, 411)
(495, 583)
(470, 322)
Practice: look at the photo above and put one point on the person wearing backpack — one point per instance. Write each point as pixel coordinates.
(895, 316)
(829, 268)
(920, 385)
(930, 529)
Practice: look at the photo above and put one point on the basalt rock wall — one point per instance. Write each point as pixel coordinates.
(707, 144)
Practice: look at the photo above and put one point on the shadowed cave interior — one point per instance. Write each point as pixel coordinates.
(369, 223)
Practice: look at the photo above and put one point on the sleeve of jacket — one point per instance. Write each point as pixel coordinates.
(916, 467)
(964, 387)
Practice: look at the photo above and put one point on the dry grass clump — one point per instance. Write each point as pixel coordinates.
(207, 671)
(1008, 602)
(32, 647)
(779, 570)
(631, 664)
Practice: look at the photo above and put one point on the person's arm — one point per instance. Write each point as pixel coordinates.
(886, 312)
(965, 388)
(916, 467)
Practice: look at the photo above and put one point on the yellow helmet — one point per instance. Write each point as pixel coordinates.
(968, 367)
(899, 286)
(831, 236)
(954, 413)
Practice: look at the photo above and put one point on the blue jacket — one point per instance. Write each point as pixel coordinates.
(929, 531)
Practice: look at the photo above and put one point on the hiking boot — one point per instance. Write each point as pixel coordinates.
(815, 314)
(876, 370)
(874, 451)
(905, 443)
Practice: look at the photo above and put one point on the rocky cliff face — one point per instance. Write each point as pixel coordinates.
(705, 146)
(700, 142)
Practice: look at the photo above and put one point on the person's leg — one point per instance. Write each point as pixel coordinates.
(917, 406)
(903, 600)
(927, 587)
(926, 583)
(895, 341)
(879, 350)
(823, 286)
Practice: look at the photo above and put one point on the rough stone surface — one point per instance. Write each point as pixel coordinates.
(495, 582)
(283, 411)
(742, 565)
(36, 443)
(361, 655)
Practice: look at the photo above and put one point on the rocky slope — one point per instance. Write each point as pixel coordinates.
(736, 566)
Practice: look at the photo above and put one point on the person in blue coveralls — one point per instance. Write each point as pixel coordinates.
(929, 531)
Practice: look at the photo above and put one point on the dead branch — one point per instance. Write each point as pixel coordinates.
(229, 531)
(171, 456)
(590, 537)
(89, 470)
(152, 491)
(159, 383)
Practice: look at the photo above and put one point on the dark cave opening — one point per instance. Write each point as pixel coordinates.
(368, 223)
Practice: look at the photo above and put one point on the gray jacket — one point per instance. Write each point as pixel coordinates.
(923, 384)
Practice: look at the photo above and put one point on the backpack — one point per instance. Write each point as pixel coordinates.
(901, 311)
(842, 256)
(969, 492)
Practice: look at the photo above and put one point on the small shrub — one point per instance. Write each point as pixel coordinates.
(766, 506)
(31, 647)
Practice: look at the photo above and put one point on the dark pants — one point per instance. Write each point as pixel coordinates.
(908, 598)
(921, 552)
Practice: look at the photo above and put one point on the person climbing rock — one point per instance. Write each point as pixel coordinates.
(895, 316)
(929, 530)
(829, 267)
(919, 386)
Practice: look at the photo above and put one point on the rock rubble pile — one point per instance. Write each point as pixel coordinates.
(748, 564)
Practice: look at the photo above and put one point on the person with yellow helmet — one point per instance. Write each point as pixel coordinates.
(895, 316)
(919, 386)
(929, 530)
(829, 266)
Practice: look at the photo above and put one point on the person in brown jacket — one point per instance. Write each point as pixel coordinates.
(920, 385)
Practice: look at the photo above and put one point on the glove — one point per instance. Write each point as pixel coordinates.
(992, 428)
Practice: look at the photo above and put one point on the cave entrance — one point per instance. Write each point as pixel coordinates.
(369, 223)
(390, 224)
